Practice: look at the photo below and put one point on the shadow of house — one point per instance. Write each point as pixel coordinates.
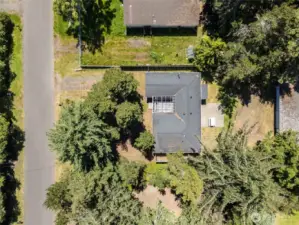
(175, 100)
(167, 17)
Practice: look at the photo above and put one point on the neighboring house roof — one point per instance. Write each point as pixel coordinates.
(181, 129)
(161, 13)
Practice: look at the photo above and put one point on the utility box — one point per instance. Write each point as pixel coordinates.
(212, 122)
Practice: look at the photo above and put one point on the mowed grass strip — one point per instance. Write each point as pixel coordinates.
(18, 112)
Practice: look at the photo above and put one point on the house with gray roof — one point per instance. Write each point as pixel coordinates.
(161, 13)
(175, 100)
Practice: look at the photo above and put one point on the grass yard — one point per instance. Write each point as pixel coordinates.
(122, 50)
(17, 89)
(259, 116)
(140, 51)
(287, 220)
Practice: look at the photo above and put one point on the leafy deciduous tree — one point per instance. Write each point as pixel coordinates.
(128, 115)
(183, 178)
(95, 17)
(145, 142)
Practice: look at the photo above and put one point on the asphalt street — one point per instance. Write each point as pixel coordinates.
(39, 108)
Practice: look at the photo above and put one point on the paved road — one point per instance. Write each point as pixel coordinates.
(39, 108)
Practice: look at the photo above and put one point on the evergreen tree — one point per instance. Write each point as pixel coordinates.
(96, 197)
(81, 138)
(158, 216)
(284, 150)
(237, 182)
(132, 174)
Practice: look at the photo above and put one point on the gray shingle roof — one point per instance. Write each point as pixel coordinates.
(161, 13)
(179, 130)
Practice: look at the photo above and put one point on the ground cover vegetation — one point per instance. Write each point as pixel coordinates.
(11, 137)
(250, 47)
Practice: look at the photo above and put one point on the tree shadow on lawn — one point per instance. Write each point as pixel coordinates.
(96, 21)
(230, 92)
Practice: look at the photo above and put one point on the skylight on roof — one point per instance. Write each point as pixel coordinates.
(163, 104)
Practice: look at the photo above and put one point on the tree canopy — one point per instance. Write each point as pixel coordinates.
(97, 196)
(237, 182)
(145, 142)
(184, 179)
(92, 17)
(158, 216)
(132, 174)
(81, 138)
(284, 149)
(115, 88)
(128, 115)
(258, 56)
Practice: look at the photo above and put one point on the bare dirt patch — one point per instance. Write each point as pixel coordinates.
(62, 47)
(138, 43)
(127, 151)
(142, 57)
(258, 115)
(151, 196)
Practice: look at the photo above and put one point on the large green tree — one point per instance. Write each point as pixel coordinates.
(259, 56)
(222, 16)
(128, 115)
(284, 149)
(184, 179)
(92, 17)
(97, 197)
(115, 88)
(237, 182)
(6, 44)
(145, 142)
(81, 138)
(132, 174)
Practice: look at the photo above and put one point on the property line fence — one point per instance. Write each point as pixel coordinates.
(144, 67)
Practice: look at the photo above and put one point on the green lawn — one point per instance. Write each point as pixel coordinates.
(140, 51)
(287, 220)
(17, 89)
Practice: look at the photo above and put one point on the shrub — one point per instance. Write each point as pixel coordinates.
(157, 175)
(145, 142)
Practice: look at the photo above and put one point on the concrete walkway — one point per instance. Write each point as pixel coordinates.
(38, 107)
